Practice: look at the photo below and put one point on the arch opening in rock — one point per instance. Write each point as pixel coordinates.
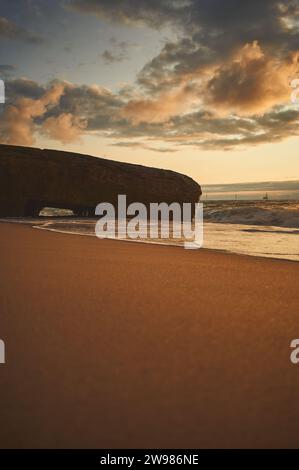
(55, 212)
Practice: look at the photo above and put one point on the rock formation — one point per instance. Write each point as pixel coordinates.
(33, 178)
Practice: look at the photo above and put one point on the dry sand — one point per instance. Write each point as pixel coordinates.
(114, 344)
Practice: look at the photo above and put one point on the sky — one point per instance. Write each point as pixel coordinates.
(202, 87)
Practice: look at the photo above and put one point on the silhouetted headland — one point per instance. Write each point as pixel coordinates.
(33, 178)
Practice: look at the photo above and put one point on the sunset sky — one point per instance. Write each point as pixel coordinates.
(197, 86)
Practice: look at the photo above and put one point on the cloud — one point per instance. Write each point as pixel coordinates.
(141, 145)
(23, 87)
(17, 122)
(162, 108)
(207, 33)
(110, 57)
(232, 59)
(6, 70)
(210, 132)
(207, 22)
(153, 13)
(61, 111)
(119, 51)
(222, 81)
(65, 111)
(65, 128)
(251, 82)
(247, 83)
(9, 30)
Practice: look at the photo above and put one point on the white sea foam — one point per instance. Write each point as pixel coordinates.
(278, 214)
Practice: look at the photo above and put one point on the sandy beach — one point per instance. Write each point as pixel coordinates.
(122, 345)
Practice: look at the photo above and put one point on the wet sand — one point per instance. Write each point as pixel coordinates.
(112, 344)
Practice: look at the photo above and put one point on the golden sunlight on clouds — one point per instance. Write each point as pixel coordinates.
(161, 109)
(250, 82)
(18, 119)
(65, 128)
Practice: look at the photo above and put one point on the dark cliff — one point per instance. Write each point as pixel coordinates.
(31, 179)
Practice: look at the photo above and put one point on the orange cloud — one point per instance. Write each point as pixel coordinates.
(17, 122)
(250, 82)
(167, 104)
(65, 128)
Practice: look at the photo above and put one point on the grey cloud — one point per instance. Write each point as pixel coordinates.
(138, 145)
(153, 13)
(217, 24)
(127, 144)
(10, 30)
(6, 70)
(228, 134)
(22, 87)
(118, 52)
(110, 57)
(101, 110)
(207, 30)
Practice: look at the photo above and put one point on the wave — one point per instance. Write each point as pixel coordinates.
(274, 214)
(263, 241)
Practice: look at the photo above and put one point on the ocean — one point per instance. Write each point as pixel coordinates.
(256, 228)
(275, 190)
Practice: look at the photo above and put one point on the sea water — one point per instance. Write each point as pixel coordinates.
(256, 228)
